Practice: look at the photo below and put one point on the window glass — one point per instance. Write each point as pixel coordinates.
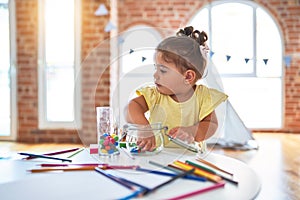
(200, 21)
(232, 38)
(269, 48)
(137, 66)
(58, 58)
(138, 50)
(5, 99)
(246, 48)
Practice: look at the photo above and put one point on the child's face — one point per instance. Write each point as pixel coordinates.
(168, 79)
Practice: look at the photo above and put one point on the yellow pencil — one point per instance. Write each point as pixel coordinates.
(199, 172)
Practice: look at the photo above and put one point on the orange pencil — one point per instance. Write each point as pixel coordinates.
(79, 168)
(213, 166)
(48, 169)
(199, 172)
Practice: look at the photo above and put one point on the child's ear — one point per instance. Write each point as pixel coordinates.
(190, 76)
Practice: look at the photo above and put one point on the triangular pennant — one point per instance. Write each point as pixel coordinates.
(211, 53)
(247, 60)
(228, 57)
(101, 10)
(131, 51)
(143, 59)
(287, 61)
(265, 61)
(109, 27)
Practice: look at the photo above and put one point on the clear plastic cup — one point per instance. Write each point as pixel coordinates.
(135, 132)
(106, 132)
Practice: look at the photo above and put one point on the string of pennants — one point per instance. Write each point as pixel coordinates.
(287, 58)
(102, 10)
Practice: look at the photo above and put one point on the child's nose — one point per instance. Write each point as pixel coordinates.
(155, 75)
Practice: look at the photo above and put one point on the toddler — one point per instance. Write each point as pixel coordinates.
(176, 100)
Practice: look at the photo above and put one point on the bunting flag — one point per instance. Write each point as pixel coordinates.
(110, 26)
(228, 57)
(287, 58)
(101, 10)
(266, 61)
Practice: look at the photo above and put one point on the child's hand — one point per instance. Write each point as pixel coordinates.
(147, 143)
(181, 133)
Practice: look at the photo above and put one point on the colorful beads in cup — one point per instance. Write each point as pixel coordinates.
(108, 144)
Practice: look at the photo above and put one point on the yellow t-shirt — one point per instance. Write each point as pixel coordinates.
(163, 109)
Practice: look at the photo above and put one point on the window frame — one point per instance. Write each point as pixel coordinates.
(255, 72)
(138, 77)
(254, 7)
(12, 72)
(43, 122)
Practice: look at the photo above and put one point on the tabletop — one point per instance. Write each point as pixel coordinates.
(16, 182)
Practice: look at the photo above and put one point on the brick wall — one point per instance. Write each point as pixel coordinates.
(175, 14)
(95, 73)
(95, 78)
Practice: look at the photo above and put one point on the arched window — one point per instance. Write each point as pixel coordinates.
(246, 47)
(136, 62)
(8, 103)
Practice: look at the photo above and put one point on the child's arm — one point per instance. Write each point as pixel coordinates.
(135, 111)
(198, 132)
(135, 114)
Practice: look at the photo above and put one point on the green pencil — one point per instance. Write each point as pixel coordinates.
(76, 152)
(200, 166)
(211, 171)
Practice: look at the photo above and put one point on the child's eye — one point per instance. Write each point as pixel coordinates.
(163, 71)
(161, 68)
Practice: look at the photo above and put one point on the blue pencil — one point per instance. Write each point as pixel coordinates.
(43, 156)
(168, 181)
(114, 178)
(187, 176)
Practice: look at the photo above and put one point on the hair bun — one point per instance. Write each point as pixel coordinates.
(200, 37)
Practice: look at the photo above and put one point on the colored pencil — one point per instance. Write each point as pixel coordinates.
(169, 181)
(211, 171)
(80, 168)
(183, 144)
(213, 166)
(114, 178)
(185, 196)
(127, 152)
(121, 167)
(200, 167)
(102, 166)
(76, 152)
(199, 172)
(68, 165)
(48, 169)
(55, 153)
(165, 167)
(190, 177)
(43, 156)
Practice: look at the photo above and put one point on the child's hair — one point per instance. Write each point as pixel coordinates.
(184, 50)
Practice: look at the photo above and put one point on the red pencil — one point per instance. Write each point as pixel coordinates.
(55, 153)
(209, 188)
(68, 165)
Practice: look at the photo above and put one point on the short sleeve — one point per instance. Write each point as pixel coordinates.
(211, 99)
(150, 94)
